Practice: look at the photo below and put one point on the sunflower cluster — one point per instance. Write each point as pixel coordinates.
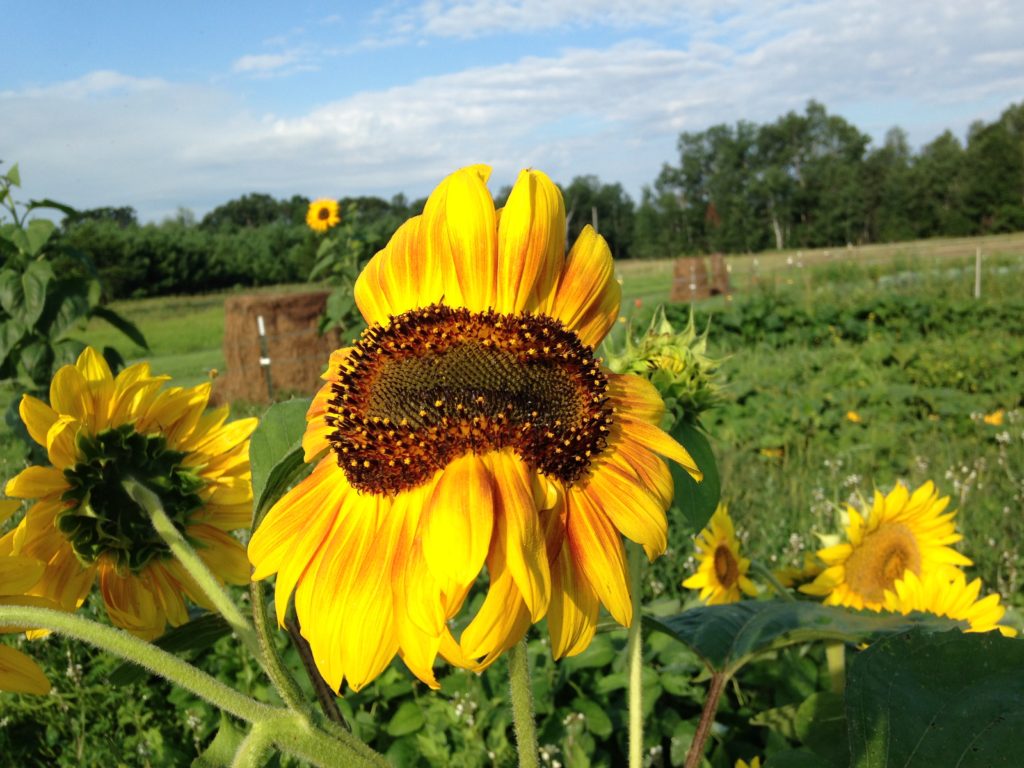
(897, 556)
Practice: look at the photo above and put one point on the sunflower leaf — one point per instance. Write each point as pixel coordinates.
(727, 636)
(275, 452)
(696, 500)
(921, 699)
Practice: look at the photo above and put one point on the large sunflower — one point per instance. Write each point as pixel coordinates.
(951, 596)
(471, 426)
(722, 572)
(901, 533)
(99, 431)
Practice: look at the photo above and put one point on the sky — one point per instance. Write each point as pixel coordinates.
(191, 104)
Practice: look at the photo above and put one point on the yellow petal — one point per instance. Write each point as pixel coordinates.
(661, 443)
(459, 228)
(130, 603)
(456, 525)
(572, 617)
(69, 394)
(60, 442)
(531, 243)
(37, 416)
(596, 549)
(631, 509)
(8, 507)
(36, 482)
(100, 381)
(223, 554)
(519, 532)
(636, 397)
(20, 674)
(502, 619)
(370, 298)
(19, 574)
(587, 298)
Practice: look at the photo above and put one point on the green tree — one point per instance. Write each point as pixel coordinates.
(588, 199)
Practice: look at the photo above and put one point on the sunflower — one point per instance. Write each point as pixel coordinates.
(790, 576)
(755, 762)
(947, 595)
(471, 426)
(98, 431)
(903, 532)
(322, 215)
(722, 572)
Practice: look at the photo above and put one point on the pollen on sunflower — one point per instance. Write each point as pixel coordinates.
(722, 571)
(471, 429)
(323, 214)
(901, 533)
(98, 431)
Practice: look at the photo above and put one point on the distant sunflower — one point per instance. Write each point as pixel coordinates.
(98, 431)
(471, 426)
(722, 572)
(791, 576)
(949, 596)
(322, 215)
(755, 762)
(902, 533)
(18, 672)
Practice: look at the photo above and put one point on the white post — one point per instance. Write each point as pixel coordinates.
(977, 272)
(265, 356)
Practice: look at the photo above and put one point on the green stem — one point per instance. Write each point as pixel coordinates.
(286, 685)
(324, 695)
(137, 651)
(765, 573)
(195, 566)
(635, 655)
(707, 717)
(522, 704)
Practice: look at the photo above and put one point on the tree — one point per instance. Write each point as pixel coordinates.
(587, 199)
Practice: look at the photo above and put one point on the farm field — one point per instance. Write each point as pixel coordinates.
(839, 374)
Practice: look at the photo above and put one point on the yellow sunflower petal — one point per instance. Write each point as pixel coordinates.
(661, 443)
(572, 617)
(587, 298)
(630, 508)
(531, 243)
(20, 674)
(19, 574)
(636, 396)
(36, 482)
(37, 416)
(596, 549)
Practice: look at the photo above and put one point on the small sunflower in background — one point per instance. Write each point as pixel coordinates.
(854, 417)
(947, 595)
(755, 762)
(994, 419)
(99, 431)
(791, 576)
(902, 532)
(322, 215)
(471, 427)
(722, 572)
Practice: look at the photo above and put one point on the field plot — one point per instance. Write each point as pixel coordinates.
(840, 375)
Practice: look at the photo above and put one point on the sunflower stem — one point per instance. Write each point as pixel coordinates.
(128, 647)
(192, 563)
(635, 655)
(765, 573)
(522, 704)
(285, 685)
(324, 694)
(707, 717)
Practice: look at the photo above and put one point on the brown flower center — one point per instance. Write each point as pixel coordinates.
(324, 213)
(439, 382)
(882, 557)
(727, 570)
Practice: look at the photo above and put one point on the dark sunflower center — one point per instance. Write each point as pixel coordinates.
(440, 382)
(104, 519)
(726, 568)
(323, 214)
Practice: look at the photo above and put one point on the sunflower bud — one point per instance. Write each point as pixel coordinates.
(676, 362)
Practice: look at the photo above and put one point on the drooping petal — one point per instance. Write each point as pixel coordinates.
(130, 603)
(596, 549)
(19, 574)
(630, 508)
(572, 617)
(661, 443)
(20, 674)
(587, 298)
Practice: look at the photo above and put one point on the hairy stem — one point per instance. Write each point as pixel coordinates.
(286, 686)
(130, 648)
(635, 655)
(707, 717)
(522, 704)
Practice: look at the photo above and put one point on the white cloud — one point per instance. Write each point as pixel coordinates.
(265, 62)
(108, 138)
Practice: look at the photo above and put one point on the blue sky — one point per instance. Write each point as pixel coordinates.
(161, 105)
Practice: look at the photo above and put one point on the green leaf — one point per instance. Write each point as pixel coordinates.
(275, 452)
(12, 292)
(14, 176)
(408, 719)
(821, 727)
(34, 282)
(37, 360)
(728, 636)
(696, 500)
(38, 233)
(127, 327)
(198, 634)
(11, 333)
(221, 751)
(48, 203)
(594, 717)
(796, 758)
(919, 700)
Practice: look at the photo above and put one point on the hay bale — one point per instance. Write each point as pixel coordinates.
(719, 276)
(298, 353)
(690, 281)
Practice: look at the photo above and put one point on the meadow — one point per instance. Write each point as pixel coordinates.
(842, 371)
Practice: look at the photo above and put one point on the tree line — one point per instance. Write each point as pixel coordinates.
(805, 180)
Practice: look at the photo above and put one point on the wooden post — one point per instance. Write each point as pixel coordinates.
(977, 272)
(265, 356)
